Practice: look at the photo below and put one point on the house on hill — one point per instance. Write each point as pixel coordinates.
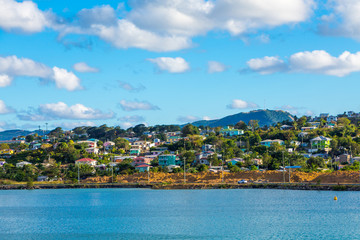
(320, 143)
(86, 161)
(143, 168)
(229, 131)
(268, 143)
(22, 164)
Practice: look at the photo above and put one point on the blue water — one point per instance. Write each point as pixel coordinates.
(178, 214)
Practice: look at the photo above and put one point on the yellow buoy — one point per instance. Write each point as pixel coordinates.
(335, 198)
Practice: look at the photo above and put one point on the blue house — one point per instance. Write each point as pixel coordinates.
(268, 143)
(228, 131)
(167, 160)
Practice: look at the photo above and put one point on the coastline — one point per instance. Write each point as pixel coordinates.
(178, 186)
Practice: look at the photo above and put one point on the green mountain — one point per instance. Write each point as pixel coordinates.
(265, 117)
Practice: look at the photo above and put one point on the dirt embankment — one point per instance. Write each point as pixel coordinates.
(340, 177)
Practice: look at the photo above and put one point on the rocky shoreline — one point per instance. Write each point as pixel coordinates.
(170, 186)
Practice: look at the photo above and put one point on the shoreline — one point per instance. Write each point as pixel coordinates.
(189, 186)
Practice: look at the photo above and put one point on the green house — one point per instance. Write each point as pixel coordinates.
(321, 143)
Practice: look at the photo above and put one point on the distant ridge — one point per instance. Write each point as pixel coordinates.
(10, 134)
(265, 117)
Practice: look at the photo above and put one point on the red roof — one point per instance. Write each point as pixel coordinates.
(85, 160)
(142, 165)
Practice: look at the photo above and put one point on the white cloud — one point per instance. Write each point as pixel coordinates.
(5, 109)
(132, 119)
(267, 65)
(126, 125)
(181, 18)
(65, 79)
(61, 110)
(12, 66)
(128, 87)
(315, 62)
(127, 35)
(240, 16)
(264, 38)
(104, 15)
(72, 125)
(343, 19)
(214, 67)
(291, 109)
(186, 119)
(159, 25)
(24, 16)
(322, 62)
(137, 105)
(207, 118)
(7, 126)
(172, 65)
(83, 67)
(241, 104)
(5, 80)
(169, 25)
(309, 113)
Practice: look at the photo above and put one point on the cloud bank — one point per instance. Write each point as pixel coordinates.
(315, 62)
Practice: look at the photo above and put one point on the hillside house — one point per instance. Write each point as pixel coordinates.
(22, 164)
(229, 131)
(86, 161)
(167, 160)
(320, 143)
(268, 143)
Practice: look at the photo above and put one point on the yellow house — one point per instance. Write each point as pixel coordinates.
(7, 151)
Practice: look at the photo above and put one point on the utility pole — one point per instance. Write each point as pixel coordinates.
(283, 166)
(112, 173)
(289, 171)
(184, 171)
(148, 172)
(222, 170)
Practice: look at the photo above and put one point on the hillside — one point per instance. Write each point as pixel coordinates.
(265, 117)
(10, 134)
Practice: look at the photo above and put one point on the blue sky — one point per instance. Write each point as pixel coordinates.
(73, 63)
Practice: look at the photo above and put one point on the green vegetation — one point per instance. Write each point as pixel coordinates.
(54, 156)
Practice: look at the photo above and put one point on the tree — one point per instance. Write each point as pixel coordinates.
(122, 143)
(140, 129)
(254, 124)
(189, 156)
(4, 146)
(241, 125)
(29, 138)
(189, 130)
(343, 121)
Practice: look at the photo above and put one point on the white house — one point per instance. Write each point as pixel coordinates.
(22, 164)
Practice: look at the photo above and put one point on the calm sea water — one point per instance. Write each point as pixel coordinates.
(178, 214)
